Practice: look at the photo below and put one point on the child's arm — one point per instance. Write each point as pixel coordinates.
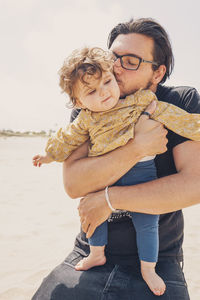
(178, 120)
(65, 141)
(39, 160)
(173, 117)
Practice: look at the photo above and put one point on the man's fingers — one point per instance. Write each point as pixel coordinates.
(85, 225)
(149, 111)
(151, 107)
(79, 206)
(90, 231)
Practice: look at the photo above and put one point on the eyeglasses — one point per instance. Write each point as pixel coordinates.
(131, 61)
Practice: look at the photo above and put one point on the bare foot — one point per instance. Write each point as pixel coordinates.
(90, 261)
(95, 258)
(154, 282)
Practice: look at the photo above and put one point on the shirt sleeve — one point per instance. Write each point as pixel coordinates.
(74, 114)
(190, 102)
(65, 141)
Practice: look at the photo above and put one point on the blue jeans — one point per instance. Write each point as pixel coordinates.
(146, 225)
(110, 282)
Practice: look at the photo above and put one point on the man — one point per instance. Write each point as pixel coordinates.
(175, 189)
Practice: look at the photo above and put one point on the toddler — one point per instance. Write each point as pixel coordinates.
(108, 122)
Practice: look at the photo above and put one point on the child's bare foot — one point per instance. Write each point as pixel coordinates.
(95, 258)
(89, 262)
(154, 282)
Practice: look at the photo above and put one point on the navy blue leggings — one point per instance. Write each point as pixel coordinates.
(146, 225)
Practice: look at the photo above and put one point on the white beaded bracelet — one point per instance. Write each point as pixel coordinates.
(108, 201)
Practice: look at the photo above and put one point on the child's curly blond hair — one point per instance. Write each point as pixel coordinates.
(84, 61)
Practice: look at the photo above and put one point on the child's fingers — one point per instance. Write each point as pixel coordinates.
(36, 157)
(37, 160)
(35, 163)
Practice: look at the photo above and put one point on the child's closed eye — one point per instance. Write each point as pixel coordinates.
(108, 81)
(92, 92)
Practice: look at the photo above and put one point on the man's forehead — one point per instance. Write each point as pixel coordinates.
(132, 43)
(120, 46)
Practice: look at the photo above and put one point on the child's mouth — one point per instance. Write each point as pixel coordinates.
(106, 99)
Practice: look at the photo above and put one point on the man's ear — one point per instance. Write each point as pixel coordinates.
(159, 74)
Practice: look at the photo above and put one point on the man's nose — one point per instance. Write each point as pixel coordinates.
(117, 62)
(117, 66)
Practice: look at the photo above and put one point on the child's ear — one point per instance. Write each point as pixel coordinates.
(79, 104)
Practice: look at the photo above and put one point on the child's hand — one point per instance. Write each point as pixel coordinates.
(38, 160)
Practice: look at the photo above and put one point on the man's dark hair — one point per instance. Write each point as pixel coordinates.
(162, 53)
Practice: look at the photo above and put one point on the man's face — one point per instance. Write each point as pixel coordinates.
(131, 80)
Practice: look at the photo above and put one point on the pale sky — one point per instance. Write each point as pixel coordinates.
(37, 35)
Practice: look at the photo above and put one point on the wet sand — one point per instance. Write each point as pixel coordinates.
(38, 222)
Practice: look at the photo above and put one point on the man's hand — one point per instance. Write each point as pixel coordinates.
(93, 211)
(38, 160)
(150, 135)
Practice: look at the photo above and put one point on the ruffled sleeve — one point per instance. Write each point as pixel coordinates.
(66, 140)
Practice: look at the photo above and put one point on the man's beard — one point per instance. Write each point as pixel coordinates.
(146, 87)
(149, 84)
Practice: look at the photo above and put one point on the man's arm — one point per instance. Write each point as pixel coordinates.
(160, 196)
(169, 193)
(83, 175)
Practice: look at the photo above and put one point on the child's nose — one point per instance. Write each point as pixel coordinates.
(103, 91)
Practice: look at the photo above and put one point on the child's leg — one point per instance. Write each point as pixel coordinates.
(147, 242)
(97, 245)
(146, 227)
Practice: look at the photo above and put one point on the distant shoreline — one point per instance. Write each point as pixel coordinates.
(11, 133)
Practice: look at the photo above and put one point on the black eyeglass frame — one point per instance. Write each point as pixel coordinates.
(116, 56)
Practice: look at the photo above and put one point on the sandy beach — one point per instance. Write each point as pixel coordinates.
(38, 222)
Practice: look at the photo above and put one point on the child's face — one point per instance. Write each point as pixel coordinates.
(100, 94)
